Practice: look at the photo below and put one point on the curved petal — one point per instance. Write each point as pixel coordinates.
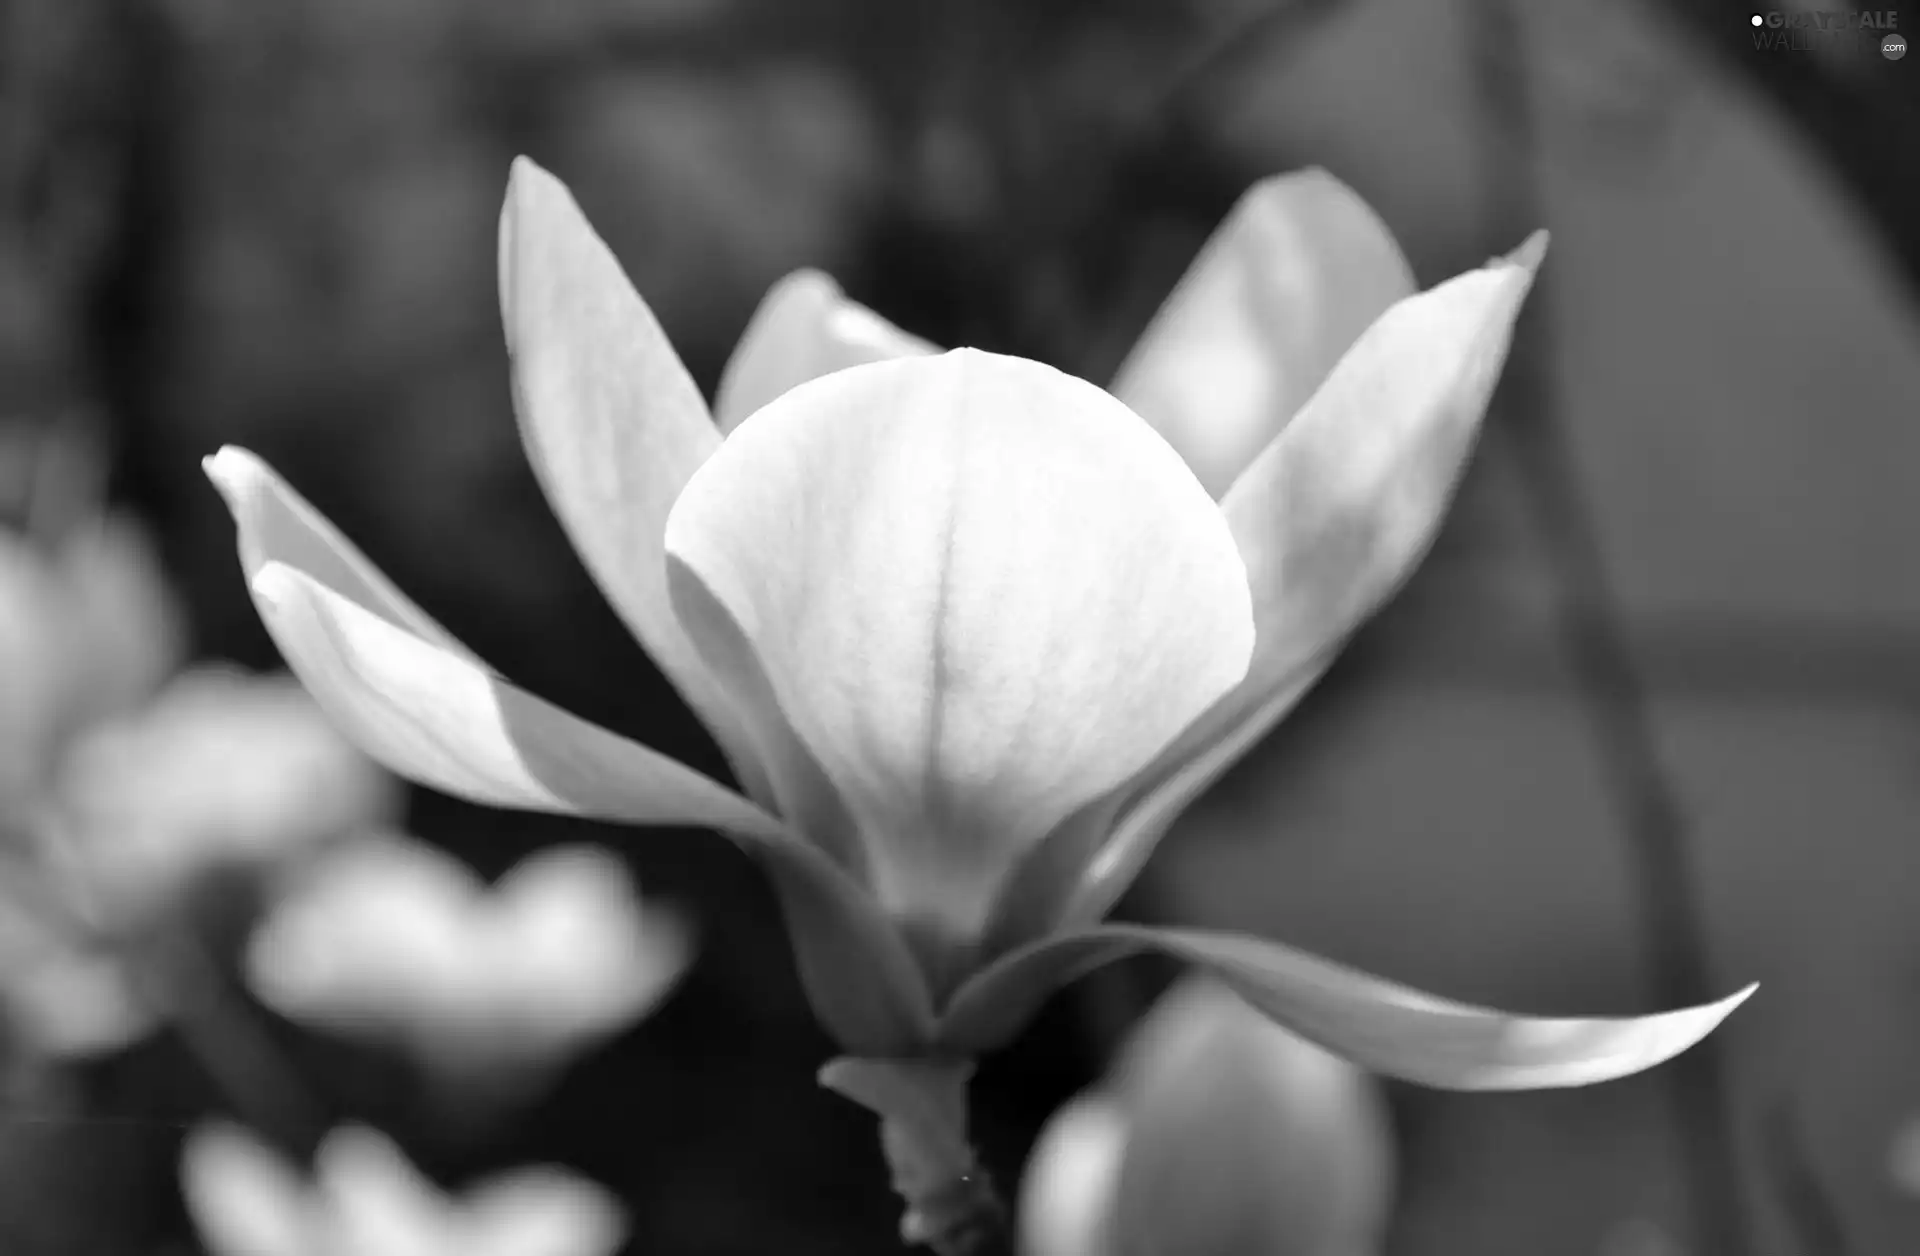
(982, 591)
(1285, 285)
(613, 426)
(805, 328)
(275, 524)
(447, 722)
(809, 803)
(1331, 518)
(1380, 1025)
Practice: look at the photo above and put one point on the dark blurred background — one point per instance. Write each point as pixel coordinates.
(1679, 597)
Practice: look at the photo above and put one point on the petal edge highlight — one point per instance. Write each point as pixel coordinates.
(1381, 1025)
(1332, 517)
(274, 523)
(1295, 273)
(612, 423)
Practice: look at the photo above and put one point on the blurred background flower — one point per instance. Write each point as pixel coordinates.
(88, 630)
(1218, 1133)
(496, 985)
(366, 1199)
(223, 768)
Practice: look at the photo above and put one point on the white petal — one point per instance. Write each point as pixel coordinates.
(1380, 1025)
(442, 720)
(1296, 272)
(1332, 517)
(805, 328)
(982, 591)
(275, 524)
(612, 423)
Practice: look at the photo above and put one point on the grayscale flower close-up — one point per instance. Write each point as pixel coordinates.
(995, 629)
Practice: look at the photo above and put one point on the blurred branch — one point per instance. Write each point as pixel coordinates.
(1616, 699)
(1489, 642)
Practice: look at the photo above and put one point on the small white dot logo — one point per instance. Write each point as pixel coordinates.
(1758, 20)
(1893, 47)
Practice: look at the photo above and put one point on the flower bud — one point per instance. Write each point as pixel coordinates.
(1219, 1134)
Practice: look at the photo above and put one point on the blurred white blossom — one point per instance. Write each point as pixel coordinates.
(1219, 1134)
(87, 628)
(364, 1198)
(222, 769)
(62, 995)
(225, 768)
(390, 938)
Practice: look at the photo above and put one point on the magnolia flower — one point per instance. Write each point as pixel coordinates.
(1220, 1134)
(365, 1199)
(391, 937)
(969, 631)
(224, 768)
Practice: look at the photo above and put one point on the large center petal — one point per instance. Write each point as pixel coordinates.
(982, 591)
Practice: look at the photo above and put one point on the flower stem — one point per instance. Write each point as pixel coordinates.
(952, 1206)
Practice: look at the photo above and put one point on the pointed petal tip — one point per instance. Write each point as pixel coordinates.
(233, 471)
(524, 170)
(1532, 251)
(1706, 1017)
(806, 279)
(529, 185)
